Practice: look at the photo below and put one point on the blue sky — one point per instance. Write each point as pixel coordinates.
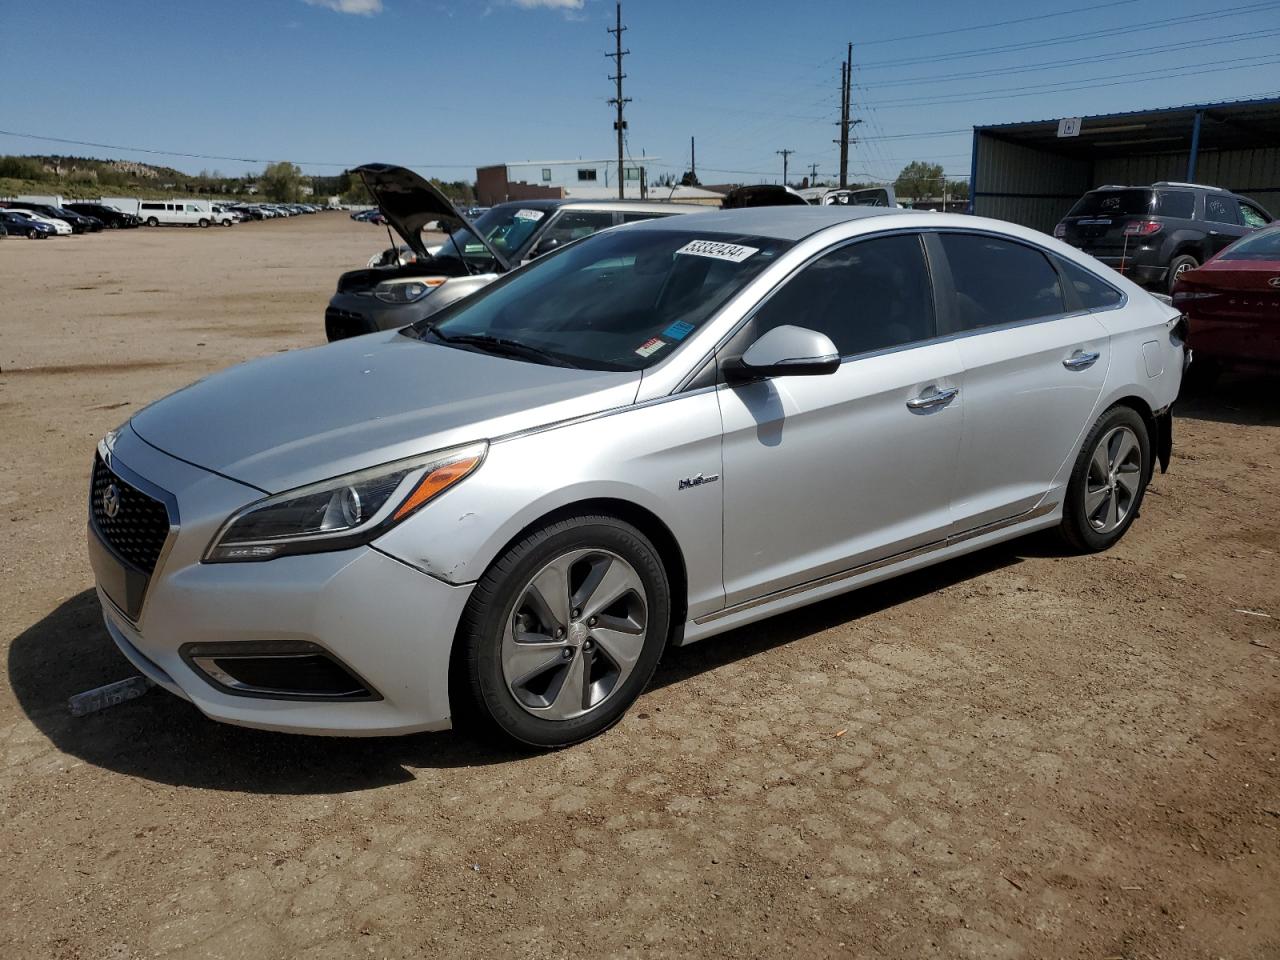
(444, 85)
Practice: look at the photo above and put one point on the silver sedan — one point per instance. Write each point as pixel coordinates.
(644, 439)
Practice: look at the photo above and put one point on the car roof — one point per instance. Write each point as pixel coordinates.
(792, 222)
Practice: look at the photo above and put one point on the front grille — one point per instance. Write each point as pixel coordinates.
(340, 324)
(140, 526)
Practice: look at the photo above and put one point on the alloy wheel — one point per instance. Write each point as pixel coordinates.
(575, 634)
(1114, 479)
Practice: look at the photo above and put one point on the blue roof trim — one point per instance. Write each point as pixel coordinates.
(1156, 111)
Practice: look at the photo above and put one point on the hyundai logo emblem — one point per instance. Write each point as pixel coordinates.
(1274, 282)
(111, 501)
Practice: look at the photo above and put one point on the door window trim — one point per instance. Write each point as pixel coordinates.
(750, 318)
(1074, 308)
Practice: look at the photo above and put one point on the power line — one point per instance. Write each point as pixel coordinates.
(1131, 53)
(1072, 38)
(995, 23)
(1212, 67)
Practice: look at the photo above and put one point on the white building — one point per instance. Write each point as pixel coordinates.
(577, 179)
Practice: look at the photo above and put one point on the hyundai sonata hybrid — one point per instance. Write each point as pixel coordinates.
(653, 435)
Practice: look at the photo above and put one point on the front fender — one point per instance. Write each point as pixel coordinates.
(637, 455)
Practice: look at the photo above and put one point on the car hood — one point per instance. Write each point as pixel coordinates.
(307, 415)
(409, 203)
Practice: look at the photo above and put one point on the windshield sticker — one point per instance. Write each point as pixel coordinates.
(678, 330)
(534, 215)
(650, 347)
(717, 251)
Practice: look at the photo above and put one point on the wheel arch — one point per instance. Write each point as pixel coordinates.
(644, 520)
(1156, 429)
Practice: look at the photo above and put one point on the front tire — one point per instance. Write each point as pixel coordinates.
(564, 631)
(1108, 481)
(152, 222)
(203, 223)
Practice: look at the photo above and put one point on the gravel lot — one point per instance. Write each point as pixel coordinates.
(1019, 754)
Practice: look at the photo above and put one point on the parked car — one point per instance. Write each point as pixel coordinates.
(1232, 305)
(225, 215)
(110, 217)
(59, 226)
(1155, 234)
(408, 288)
(77, 222)
(646, 438)
(20, 225)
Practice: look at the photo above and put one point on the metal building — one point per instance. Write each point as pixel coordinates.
(1031, 173)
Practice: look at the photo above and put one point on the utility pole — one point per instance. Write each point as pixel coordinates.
(813, 174)
(693, 160)
(784, 154)
(618, 100)
(846, 121)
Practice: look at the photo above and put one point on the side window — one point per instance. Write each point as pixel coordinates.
(868, 295)
(998, 281)
(1221, 209)
(575, 224)
(1252, 216)
(1093, 292)
(1178, 204)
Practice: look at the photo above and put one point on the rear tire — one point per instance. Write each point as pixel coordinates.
(1180, 265)
(563, 632)
(1107, 482)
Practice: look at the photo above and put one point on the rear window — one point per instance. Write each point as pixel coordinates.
(1113, 203)
(1264, 245)
(1176, 203)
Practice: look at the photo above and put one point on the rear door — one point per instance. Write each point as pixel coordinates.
(1034, 364)
(826, 473)
(1223, 220)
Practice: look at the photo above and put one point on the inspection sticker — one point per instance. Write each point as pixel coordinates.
(650, 347)
(529, 214)
(717, 250)
(678, 330)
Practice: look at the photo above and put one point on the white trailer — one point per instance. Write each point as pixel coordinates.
(47, 200)
(123, 204)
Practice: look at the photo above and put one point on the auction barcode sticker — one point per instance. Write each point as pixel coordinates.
(717, 250)
(528, 214)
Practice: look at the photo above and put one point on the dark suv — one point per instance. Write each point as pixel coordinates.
(1154, 234)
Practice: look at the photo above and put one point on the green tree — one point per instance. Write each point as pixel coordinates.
(282, 182)
(958, 189)
(919, 179)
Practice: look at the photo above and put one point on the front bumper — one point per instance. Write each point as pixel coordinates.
(390, 624)
(355, 314)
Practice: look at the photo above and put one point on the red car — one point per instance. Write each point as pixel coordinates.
(1232, 304)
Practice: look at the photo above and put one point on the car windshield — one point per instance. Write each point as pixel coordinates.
(1264, 245)
(1107, 203)
(619, 300)
(507, 229)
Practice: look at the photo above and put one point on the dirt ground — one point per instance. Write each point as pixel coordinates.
(1018, 754)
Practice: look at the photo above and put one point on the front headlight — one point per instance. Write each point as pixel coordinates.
(343, 512)
(411, 291)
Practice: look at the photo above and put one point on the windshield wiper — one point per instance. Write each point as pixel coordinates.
(503, 346)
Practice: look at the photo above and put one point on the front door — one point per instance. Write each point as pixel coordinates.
(825, 473)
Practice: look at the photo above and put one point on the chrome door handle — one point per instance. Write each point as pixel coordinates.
(936, 399)
(1081, 361)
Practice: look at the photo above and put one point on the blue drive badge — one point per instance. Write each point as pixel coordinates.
(678, 330)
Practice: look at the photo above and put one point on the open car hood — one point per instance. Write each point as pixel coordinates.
(409, 202)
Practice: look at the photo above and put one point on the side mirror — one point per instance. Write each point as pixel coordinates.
(545, 246)
(786, 351)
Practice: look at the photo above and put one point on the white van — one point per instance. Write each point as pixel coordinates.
(186, 213)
